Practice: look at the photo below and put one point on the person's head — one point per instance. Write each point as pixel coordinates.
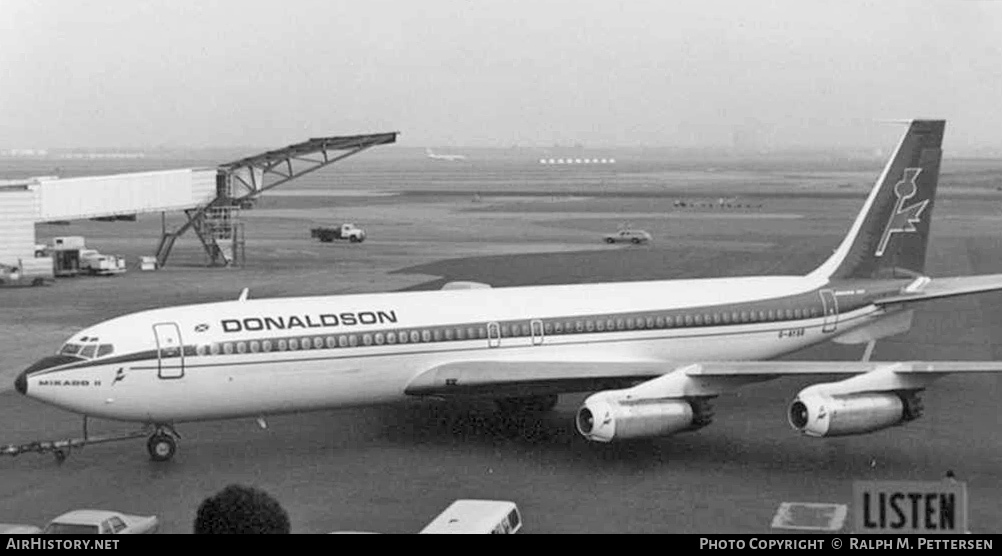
(241, 510)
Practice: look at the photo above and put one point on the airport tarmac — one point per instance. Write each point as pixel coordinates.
(391, 469)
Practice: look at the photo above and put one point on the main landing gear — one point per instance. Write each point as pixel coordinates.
(526, 406)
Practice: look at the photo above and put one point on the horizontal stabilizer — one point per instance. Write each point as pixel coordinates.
(939, 288)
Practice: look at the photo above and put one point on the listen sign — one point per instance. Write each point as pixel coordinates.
(908, 507)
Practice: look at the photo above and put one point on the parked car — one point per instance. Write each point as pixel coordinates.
(629, 236)
(101, 522)
(18, 529)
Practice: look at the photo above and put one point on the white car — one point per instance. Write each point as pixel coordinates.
(628, 236)
(101, 522)
(18, 529)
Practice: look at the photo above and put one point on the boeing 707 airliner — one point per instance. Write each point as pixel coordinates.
(654, 353)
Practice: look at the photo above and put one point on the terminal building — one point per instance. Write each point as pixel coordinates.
(209, 197)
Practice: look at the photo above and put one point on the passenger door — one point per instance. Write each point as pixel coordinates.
(170, 350)
(831, 310)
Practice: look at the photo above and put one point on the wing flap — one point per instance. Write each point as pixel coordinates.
(938, 288)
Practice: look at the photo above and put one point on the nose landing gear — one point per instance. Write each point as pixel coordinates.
(162, 444)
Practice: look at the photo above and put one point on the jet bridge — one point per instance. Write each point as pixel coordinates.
(240, 182)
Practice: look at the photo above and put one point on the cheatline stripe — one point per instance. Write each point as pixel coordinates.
(150, 355)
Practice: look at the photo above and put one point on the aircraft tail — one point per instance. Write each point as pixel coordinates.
(889, 236)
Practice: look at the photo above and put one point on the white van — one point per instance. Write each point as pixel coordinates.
(474, 517)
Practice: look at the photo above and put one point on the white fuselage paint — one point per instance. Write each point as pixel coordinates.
(255, 384)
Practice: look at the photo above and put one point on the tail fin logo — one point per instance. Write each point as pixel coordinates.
(903, 219)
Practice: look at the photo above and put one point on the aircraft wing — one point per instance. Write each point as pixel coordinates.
(937, 288)
(525, 378)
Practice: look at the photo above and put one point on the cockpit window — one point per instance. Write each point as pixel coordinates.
(70, 349)
(104, 349)
(88, 351)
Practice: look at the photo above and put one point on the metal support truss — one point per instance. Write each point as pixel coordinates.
(241, 181)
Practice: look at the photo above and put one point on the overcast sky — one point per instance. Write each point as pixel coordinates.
(144, 73)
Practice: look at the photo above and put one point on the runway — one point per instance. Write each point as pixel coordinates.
(392, 469)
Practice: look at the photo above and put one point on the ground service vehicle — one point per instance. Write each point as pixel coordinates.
(488, 517)
(350, 232)
(95, 263)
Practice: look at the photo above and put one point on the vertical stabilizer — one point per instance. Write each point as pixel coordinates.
(891, 232)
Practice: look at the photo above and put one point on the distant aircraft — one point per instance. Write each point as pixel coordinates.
(448, 157)
(656, 352)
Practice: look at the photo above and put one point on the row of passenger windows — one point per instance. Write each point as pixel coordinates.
(507, 330)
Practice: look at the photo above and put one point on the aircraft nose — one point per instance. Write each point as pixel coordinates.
(21, 383)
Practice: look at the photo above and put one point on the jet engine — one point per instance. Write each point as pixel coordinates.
(819, 414)
(604, 417)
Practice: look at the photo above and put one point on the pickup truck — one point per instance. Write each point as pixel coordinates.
(95, 263)
(350, 232)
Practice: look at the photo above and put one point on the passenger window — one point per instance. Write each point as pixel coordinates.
(579, 326)
(600, 326)
(367, 339)
(425, 336)
(548, 328)
(590, 325)
(228, 348)
(353, 340)
(505, 331)
(293, 344)
(610, 324)
(437, 335)
(471, 333)
(659, 322)
(241, 347)
(380, 339)
(726, 318)
(342, 341)
(630, 323)
(448, 334)
(283, 345)
(255, 346)
(331, 342)
(460, 333)
(305, 343)
(415, 336)
(318, 342)
(266, 345)
(558, 327)
(200, 350)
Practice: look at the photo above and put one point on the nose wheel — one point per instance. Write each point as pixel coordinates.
(161, 446)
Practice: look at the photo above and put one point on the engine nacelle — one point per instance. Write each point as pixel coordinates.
(818, 414)
(604, 418)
